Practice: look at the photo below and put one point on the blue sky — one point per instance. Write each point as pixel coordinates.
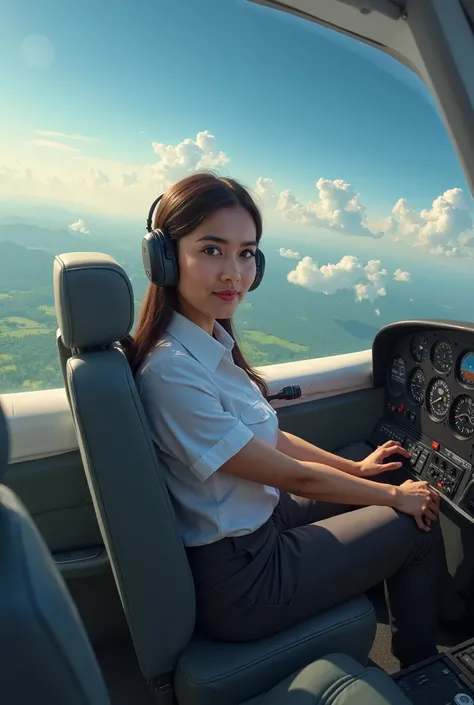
(284, 99)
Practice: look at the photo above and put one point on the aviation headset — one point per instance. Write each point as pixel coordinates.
(160, 259)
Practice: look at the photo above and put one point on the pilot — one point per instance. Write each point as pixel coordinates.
(276, 529)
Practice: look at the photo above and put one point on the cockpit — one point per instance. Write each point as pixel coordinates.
(98, 603)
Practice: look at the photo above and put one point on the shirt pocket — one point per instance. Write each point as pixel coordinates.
(256, 413)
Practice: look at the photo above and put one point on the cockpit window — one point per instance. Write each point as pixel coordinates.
(367, 215)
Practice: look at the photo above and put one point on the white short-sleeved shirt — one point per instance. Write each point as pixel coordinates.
(202, 410)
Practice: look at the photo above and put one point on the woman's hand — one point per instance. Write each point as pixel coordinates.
(373, 464)
(420, 501)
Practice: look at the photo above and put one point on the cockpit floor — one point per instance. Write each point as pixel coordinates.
(380, 653)
(122, 674)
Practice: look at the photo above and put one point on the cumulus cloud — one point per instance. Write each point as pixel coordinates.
(337, 206)
(375, 285)
(51, 144)
(401, 276)
(441, 229)
(444, 229)
(290, 254)
(129, 178)
(349, 273)
(98, 178)
(101, 183)
(188, 156)
(79, 227)
(367, 281)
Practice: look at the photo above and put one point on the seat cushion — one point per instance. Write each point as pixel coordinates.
(336, 680)
(216, 672)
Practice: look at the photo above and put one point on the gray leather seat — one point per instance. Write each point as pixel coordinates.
(335, 680)
(94, 306)
(46, 655)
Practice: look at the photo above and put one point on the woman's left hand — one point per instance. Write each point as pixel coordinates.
(373, 464)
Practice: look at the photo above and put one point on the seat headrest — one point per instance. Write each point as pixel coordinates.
(4, 444)
(94, 299)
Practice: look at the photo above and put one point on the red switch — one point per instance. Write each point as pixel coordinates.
(439, 484)
(435, 445)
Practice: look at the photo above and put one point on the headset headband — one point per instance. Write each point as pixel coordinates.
(151, 212)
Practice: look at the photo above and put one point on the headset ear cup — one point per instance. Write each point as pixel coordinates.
(159, 258)
(260, 266)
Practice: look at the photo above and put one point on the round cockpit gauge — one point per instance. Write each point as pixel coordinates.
(466, 369)
(461, 416)
(397, 376)
(417, 385)
(439, 399)
(442, 356)
(419, 348)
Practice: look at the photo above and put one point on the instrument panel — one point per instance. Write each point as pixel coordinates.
(427, 368)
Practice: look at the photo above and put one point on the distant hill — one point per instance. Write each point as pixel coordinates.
(23, 269)
(54, 241)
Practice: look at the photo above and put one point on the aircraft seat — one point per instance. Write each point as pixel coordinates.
(46, 654)
(336, 679)
(95, 308)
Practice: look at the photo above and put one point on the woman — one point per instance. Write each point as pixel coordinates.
(268, 520)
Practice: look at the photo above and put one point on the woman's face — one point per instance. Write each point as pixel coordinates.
(216, 266)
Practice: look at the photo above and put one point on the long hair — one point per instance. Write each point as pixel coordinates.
(183, 207)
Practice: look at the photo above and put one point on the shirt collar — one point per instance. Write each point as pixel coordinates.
(207, 350)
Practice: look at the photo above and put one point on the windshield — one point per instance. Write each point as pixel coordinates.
(367, 216)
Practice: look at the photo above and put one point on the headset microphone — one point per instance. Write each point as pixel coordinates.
(293, 391)
(160, 257)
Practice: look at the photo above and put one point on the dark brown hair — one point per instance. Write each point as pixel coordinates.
(183, 207)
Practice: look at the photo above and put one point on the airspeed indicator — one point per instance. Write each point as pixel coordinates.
(439, 399)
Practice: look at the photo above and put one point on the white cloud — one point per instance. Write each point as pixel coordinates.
(375, 285)
(337, 207)
(366, 281)
(400, 275)
(65, 135)
(129, 178)
(445, 229)
(188, 156)
(51, 144)
(377, 311)
(98, 178)
(290, 254)
(441, 229)
(103, 184)
(79, 227)
(467, 240)
(442, 251)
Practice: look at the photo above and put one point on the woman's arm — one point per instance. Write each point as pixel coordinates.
(299, 449)
(373, 464)
(259, 462)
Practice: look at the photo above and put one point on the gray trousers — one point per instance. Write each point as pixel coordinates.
(313, 555)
